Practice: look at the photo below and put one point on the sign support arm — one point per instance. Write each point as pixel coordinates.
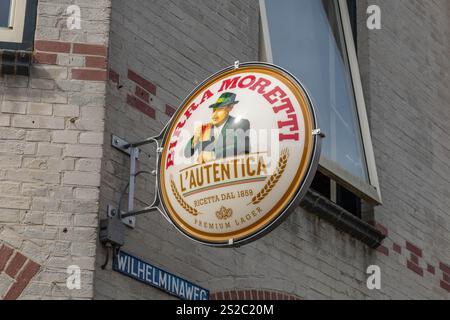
(132, 149)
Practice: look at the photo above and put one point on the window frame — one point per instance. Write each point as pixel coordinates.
(370, 192)
(20, 34)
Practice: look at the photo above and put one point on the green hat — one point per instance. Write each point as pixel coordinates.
(224, 100)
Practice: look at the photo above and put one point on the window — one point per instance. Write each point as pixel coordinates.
(313, 39)
(17, 24)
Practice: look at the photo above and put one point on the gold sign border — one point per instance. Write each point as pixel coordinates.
(291, 192)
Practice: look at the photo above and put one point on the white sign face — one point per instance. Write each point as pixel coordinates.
(236, 154)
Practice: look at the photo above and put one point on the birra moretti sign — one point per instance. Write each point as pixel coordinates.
(238, 155)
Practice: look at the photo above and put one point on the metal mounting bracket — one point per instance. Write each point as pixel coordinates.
(121, 145)
(112, 212)
(318, 132)
(133, 152)
(132, 149)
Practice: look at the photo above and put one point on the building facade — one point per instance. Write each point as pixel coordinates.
(125, 69)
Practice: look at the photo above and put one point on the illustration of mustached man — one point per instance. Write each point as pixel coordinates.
(225, 136)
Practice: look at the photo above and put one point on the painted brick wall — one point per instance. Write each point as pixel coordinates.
(161, 49)
(405, 71)
(51, 136)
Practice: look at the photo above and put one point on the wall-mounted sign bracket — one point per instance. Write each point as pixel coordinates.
(132, 149)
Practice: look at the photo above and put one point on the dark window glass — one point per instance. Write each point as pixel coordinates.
(348, 201)
(321, 184)
(5, 7)
(344, 198)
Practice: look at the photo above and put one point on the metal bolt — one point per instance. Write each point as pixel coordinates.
(318, 132)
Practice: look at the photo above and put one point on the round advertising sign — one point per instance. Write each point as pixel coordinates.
(238, 155)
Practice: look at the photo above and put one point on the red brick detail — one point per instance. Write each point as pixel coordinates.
(445, 268)
(52, 46)
(445, 286)
(96, 62)
(90, 49)
(446, 278)
(89, 74)
(413, 267)
(5, 254)
(29, 271)
(412, 248)
(142, 94)
(252, 295)
(141, 106)
(114, 76)
(414, 258)
(44, 58)
(397, 248)
(260, 295)
(15, 265)
(384, 250)
(431, 269)
(147, 85)
(170, 111)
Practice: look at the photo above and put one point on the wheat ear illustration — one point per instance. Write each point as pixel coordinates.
(181, 201)
(274, 178)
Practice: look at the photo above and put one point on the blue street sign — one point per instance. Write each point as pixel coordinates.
(156, 277)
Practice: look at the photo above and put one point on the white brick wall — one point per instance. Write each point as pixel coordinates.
(48, 206)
